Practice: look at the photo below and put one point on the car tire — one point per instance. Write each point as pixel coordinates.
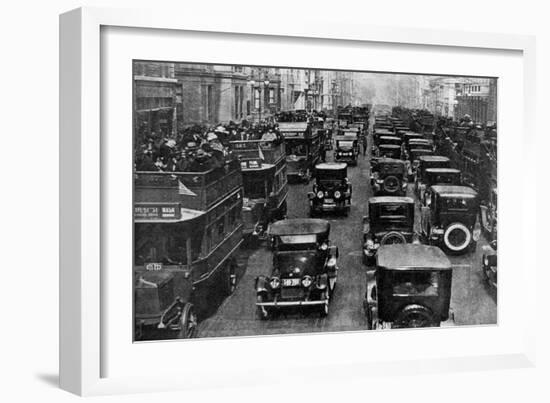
(415, 316)
(391, 184)
(393, 237)
(464, 244)
(188, 323)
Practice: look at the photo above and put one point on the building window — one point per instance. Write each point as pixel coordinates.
(241, 97)
(272, 95)
(256, 98)
(208, 102)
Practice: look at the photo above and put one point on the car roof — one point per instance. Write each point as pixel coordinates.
(299, 226)
(292, 126)
(390, 199)
(390, 161)
(331, 166)
(433, 158)
(454, 190)
(443, 170)
(411, 257)
(389, 146)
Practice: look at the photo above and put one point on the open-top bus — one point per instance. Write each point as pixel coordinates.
(263, 165)
(302, 146)
(187, 230)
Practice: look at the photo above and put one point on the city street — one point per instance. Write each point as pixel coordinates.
(472, 301)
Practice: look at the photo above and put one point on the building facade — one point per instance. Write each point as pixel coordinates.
(155, 100)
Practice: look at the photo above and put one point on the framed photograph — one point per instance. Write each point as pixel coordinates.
(252, 199)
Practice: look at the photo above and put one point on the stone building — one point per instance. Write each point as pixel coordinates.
(211, 94)
(476, 97)
(155, 88)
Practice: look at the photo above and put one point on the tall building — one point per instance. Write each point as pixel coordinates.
(155, 99)
(210, 94)
(477, 98)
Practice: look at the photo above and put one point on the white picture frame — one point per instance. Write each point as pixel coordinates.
(83, 306)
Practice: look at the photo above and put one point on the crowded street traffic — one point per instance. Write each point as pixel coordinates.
(343, 215)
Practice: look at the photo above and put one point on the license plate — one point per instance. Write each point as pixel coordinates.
(291, 282)
(329, 201)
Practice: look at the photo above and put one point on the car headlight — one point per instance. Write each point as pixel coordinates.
(307, 281)
(369, 244)
(324, 246)
(320, 194)
(485, 260)
(337, 194)
(274, 282)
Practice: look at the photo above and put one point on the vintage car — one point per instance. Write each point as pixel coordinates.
(410, 288)
(401, 128)
(389, 151)
(304, 268)
(413, 160)
(332, 190)
(489, 264)
(389, 177)
(346, 148)
(390, 220)
(393, 140)
(417, 144)
(425, 162)
(428, 177)
(449, 218)
(408, 136)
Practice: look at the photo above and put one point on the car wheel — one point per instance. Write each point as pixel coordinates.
(414, 316)
(188, 323)
(393, 237)
(261, 311)
(391, 184)
(457, 238)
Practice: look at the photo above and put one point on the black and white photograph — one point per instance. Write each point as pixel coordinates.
(283, 200)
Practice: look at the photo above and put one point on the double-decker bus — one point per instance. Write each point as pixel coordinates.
(303, 148)
(187, 231)
(263, 164)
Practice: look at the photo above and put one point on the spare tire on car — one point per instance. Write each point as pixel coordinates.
(393, 237)
(391, 184)
(457, 238)
(415, 316)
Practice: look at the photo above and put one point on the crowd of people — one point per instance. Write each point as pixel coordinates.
(199, 148)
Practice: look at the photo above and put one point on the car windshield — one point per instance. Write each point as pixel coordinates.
(447, 178)
(159, 243)
(391, 168)
(392, 211)
(330, 176)
(419, 283)
(455, 204)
